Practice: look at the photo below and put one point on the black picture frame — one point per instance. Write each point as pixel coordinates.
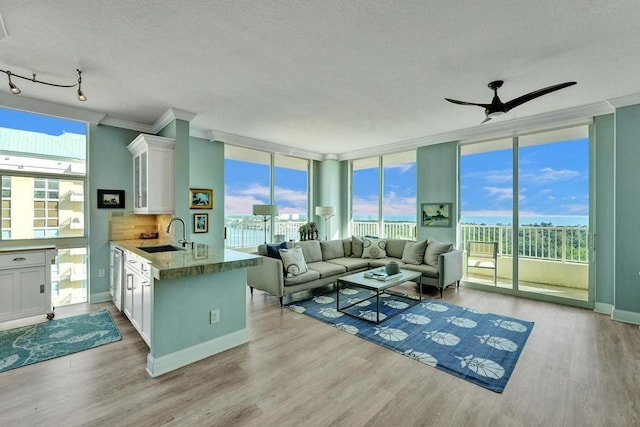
(201, 223)
(436, 214)
(111, 199)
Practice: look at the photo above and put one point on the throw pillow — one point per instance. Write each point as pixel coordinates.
(374, 248)
(414, 252)
(356, 247)
(273, 251)
(293, 261)
(434, 249)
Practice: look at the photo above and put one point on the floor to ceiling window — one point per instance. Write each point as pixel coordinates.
(255, 177)
(548, 236)
(43, 168)
(383, 198)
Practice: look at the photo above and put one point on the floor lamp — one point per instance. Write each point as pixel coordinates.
(326, 212)
(265, 211)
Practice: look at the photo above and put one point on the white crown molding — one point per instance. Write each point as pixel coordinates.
(625, 101)
(199, 133)
(23, 103)
(170, 115)
(257, 144)
(125, 124)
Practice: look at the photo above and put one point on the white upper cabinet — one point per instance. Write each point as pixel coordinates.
(153, 174)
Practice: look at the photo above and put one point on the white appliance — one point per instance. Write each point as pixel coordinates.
(118, 275)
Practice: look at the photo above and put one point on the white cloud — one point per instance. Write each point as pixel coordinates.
(500, 193)
(547, 175)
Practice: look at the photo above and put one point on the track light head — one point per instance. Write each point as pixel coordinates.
(81, 95)
(14, 89)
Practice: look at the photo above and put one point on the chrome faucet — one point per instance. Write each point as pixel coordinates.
(182, 241)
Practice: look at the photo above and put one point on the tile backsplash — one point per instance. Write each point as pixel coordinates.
(127, 225)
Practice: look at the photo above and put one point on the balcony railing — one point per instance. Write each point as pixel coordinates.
(564, 244)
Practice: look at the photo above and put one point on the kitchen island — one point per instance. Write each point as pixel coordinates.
(194, 305)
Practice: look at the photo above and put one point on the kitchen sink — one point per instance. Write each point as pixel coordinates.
(160, 248)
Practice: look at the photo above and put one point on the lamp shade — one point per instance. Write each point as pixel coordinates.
(271, 210)
(325, 210)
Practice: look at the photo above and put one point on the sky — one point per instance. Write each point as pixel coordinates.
(553, 180)
(37, 123)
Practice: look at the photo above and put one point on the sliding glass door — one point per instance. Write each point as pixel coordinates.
(536, 242)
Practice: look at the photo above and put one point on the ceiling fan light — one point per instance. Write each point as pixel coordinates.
(81, 95)
(14, 89)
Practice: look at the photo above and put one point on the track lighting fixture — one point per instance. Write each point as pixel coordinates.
(16, 90)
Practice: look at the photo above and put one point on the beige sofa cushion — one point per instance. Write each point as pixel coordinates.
(395, 247)
(346, 246)
(331, 249)
(426, 270)
(414, 252)
(302, 278)
(356, 247)
(351, 263)
(311, 250)
(433, 251)
(327, 269)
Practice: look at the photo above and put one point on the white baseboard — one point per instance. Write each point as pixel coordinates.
(603, 308)
(100, 297)
(170, 362)
(626, 316)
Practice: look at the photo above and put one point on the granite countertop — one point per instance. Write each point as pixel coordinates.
(202, 259)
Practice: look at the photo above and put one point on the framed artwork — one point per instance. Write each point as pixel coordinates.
(436, 214)
(111, 199)
(200, 223)
(201, 198)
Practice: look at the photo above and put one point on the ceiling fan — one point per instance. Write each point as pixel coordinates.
(497, 107)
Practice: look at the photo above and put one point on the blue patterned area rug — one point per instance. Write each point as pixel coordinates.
(34, 343)
(480, 347)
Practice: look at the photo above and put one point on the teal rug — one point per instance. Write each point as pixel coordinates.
(34, 343)
(479, 347)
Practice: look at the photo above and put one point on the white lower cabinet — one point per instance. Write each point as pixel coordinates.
(137, 294)
(25, 284)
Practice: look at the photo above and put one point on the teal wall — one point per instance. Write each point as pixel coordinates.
(328, 194)
(438, 182)
(111, 168)
(627, 207)
(206, 161)
(179, 130)
(603, 133)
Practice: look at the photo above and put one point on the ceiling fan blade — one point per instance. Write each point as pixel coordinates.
(468, 103)
(535, 94)
(485, 120)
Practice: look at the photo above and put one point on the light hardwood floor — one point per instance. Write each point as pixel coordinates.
(578, 368)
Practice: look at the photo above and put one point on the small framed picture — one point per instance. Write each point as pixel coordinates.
(201, 198)
(111, 199)
(436, 214)
(200, 223)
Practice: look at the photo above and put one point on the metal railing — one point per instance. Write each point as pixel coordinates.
(564, 244)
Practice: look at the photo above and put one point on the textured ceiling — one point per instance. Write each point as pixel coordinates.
(330, 76)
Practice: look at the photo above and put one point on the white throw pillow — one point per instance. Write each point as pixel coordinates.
(374, 248)
(293, 261)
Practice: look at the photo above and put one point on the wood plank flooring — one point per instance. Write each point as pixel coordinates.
(578, 368)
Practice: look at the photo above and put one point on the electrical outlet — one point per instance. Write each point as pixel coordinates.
(214, 316)
(101, 272)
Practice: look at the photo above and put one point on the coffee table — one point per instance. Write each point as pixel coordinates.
(378, 287)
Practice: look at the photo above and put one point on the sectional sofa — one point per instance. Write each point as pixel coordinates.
(325, 261)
